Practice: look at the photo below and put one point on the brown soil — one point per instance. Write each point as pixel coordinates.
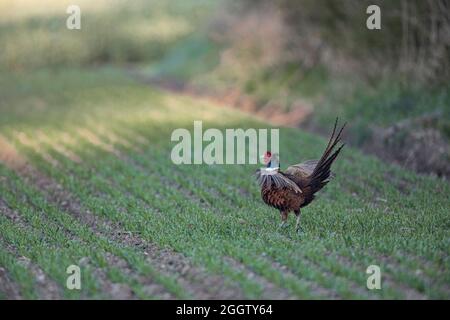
(269, 290)
(8, 289)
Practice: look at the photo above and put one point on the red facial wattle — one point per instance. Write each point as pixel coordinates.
(267, 157)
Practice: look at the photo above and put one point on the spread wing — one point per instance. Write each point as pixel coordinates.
(276, 179)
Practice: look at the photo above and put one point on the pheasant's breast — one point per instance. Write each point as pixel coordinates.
(282, 199)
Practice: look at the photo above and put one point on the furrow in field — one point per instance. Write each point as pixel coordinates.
(198, 281)
(46, 288)
(9, 290)
(213, 182)
(123, 148)
(161, 172)
(325, 273)
(406, 272)
(43, 281)
(168, 183)
(223, 205)
(234, 295)
(429, 268)
(195, 280)
(115, 290)
(414, 274)
(21, 277)
(191, 195)
(269, 289)
(332, 273)
(387, 278)
(54, 193)
(316, 289)
(209, 193)
(199, 175)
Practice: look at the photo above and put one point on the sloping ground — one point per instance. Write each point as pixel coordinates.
(86, 179)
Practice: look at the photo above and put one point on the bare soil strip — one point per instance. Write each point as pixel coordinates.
(410, 293)
(393, 263)
(8, 289)
(200, 283)
(47, 288)
(356, 288)
(267, 285)
(197, 281)
(270, 290)
(277, 293)
(54, 193)
(316, 289)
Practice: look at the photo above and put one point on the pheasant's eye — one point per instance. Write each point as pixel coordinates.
(268, 154)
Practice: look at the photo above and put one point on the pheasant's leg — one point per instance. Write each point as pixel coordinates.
(298, 228)
(284, 215)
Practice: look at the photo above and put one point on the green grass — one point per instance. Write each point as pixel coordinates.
(382, 104)
(35, 36)
(372, 213)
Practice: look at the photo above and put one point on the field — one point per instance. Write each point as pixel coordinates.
(86, 179)
(86, 176)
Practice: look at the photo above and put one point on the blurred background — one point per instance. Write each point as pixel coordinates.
(297, 63)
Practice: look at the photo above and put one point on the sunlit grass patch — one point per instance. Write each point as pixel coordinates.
(34, 34)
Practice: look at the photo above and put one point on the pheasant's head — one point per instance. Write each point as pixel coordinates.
(271, 160)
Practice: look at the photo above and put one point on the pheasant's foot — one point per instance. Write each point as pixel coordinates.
(283, 224)
(298, 227)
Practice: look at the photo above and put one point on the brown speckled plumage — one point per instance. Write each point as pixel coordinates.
(294, 188)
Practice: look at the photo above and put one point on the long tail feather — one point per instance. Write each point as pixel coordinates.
(321, 174)
(331, 145)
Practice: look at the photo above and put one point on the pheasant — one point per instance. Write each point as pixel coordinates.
(295, 188)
